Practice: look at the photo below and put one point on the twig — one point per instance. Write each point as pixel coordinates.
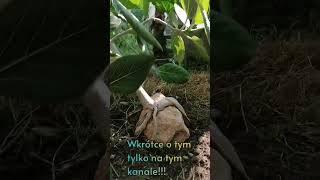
(182, 171)
(191, 174)
(5, 146)
(12, 109)
(40, 158)
(114, 170)
(15, 62)
(309, 60)
(53, 168)
(274, 110)
(242, 109)
(78, 126)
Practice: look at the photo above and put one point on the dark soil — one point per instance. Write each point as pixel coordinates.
(59, 142)
(125, 111)
(47, 142)
(271, 110)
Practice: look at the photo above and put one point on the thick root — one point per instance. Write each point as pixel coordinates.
(160, 103)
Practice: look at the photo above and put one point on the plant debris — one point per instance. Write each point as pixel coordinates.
(270, 112)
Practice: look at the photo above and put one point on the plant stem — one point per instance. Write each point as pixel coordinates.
(144, 98)
(164, 23)
(130, 30)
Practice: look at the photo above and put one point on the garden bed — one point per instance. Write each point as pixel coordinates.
(271, 110)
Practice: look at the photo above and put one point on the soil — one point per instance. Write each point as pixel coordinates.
(61, 142)
(194, 97)
(271, 110)
(47, 142)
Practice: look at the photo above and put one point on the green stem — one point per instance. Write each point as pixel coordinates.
(116, 37)
(130, 30)
(164, 23)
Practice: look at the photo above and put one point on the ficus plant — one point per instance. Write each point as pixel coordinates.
(47, 66)
(47, 58)
(182, 22)
(179, 29)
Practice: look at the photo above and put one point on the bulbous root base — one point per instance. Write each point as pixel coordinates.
(163, 121)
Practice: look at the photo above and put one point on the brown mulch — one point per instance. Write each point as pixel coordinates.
(271, 110)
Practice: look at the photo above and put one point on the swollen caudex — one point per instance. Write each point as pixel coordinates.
(161, 118)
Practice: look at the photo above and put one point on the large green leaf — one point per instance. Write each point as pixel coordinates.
(128, 73)
(137, 4)
(164, 6)
(182, 15)
(139, 14)
(203, 6)
(232, 45)
(173, 19)
(200, 48)
(178, 48)
(132, 3)
(137, 26)
(206, 22)
(190, 6)
(51, 53)
(172, 73)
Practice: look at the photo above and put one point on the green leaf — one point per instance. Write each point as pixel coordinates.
(190, 6)
(201, 50)
(136, 2)
(206, 22)
(137, 26)
(232, 45)
(182, 15)
(164, 6)
(151, 10)
(173, 19)
(203, 7)
(138, 13)
(114, 49)
(172, 73)
(131, 4)
(178, 49)
(144, 46)
(128, 73)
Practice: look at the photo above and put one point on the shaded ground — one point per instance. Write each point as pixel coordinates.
(47, 142)
(60, 142)
(271, 110)
(194, 97)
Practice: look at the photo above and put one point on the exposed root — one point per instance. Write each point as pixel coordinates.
(152, 107)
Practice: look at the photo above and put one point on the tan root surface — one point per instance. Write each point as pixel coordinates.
(164, 122)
